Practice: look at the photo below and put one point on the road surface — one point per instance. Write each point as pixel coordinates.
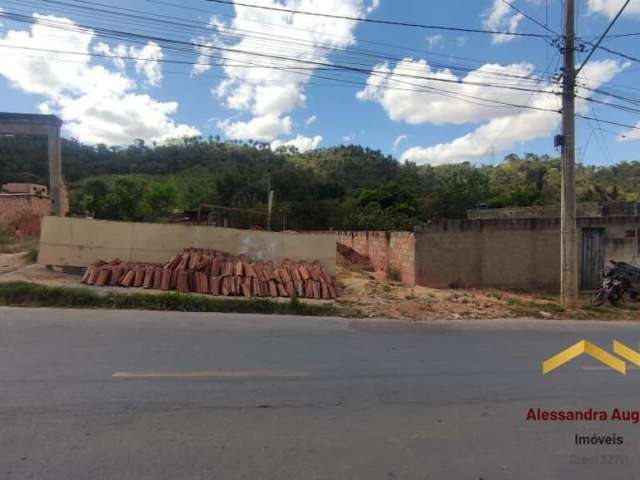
(148, 395)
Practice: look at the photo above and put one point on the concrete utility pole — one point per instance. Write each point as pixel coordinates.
(568, 224)
(55, 171)
(269, 210)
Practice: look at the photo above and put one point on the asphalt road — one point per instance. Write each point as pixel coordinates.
(142, 395)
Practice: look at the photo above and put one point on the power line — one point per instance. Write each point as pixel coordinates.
(529, 17)
(269, 39)
(263, 40)
(624, 35)
(290, 27)
(490, 148)
(615, 52)
(382, 22)
(462, 97)
(312, 66)
(422, 88)
(604, 34)
(118, 34)
(270, 36)
(609, 122)
(601, 138)
(617, 106)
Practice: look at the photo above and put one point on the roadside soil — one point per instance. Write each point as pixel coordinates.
(367, 294)
(370, 294)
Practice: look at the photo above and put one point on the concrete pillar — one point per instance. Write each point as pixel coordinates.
(55, 171)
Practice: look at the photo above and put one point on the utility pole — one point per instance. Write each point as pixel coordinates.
(269, 210)
(568, 223)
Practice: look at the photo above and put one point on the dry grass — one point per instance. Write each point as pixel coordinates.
(10, 244)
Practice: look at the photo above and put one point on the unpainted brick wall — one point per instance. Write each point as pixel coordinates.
(22, 214)
(510, 253)
(386, 251)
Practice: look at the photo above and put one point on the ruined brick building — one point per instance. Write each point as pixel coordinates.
(22, 206)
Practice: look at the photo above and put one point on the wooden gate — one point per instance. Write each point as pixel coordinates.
(592, 258)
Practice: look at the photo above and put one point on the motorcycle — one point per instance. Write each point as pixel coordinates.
(614, 288)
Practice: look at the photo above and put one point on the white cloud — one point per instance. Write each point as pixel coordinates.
(631, 134)
(207, 46)
(504, 132)
(146, 59)
(270, 94)
(399, 139)
(277, 98)
(311, 120)
(501, 17)
(434, 41)
(373, 5)
(97, 117)
(116, 52)
(441, 97)
(302, 143)
(611, 7)
(263, 128)
(461, 40)
(147, 62)
(97, 104)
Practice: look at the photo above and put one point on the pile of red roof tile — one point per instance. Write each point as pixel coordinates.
(217, 273)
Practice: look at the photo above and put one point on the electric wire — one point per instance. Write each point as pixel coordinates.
(378, 21)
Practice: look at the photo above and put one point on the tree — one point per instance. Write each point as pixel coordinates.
(158, 199)
(124, 200)
(94, 196)
(458, 188)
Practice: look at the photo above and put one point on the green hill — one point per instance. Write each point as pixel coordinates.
(345, 187)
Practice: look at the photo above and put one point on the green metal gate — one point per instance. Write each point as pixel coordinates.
(592, 258)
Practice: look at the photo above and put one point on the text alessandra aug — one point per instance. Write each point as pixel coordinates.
(589, 415)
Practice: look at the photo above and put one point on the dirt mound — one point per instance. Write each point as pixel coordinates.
(350, 256)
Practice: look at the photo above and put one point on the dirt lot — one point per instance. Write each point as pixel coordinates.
(365, 294)
(370, 294)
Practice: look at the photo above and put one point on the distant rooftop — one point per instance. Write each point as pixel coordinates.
(30, 119)
(24, 189)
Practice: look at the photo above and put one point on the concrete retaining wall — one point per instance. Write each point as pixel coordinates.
(79, 242)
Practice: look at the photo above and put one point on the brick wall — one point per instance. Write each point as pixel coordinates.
(402, 256)
(510, 253)
(386, 251)
(22, 214)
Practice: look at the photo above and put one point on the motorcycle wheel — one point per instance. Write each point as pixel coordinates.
(614, 299)
(598, 298)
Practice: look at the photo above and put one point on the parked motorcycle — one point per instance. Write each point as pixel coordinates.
(614, 288)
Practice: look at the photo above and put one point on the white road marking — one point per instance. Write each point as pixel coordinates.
(222, 373)
(629, 367)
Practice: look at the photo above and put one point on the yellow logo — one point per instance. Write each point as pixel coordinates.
(587, 348)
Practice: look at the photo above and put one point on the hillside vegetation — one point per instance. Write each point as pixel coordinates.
(345, 187)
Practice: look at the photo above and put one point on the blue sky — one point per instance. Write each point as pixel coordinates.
(235, 72)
